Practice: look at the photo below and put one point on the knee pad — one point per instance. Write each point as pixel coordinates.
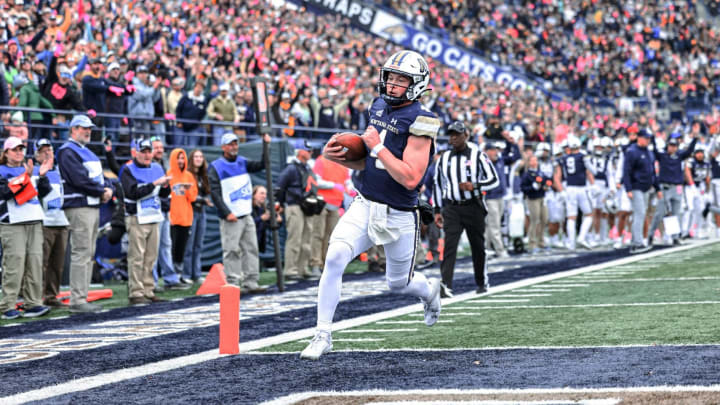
(339, 254)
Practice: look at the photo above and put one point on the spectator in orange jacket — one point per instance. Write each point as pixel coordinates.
(184, 191)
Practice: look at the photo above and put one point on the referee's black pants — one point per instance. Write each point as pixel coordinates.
(470, 218)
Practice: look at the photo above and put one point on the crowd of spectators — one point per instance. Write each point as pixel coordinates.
(143, 60)
(659, 51)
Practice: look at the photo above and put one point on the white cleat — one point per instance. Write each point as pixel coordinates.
(432, 306)
(586, 244)
(319, 345)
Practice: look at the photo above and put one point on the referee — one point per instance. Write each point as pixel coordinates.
(461, 175)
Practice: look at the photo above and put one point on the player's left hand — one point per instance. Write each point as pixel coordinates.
(371, 137)
(333, 150)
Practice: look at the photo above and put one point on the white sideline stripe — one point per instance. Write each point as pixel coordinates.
(634, 304)
(553, 284)
(600, 280)
(498, 301)
(301, 396)
(86, 383)
(522, 295)
(351, 340)
(497, 348)
(377, 330)
(544, 290)
(411, 322)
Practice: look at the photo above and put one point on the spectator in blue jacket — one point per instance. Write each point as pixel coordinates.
(494, 197)
(84, 190)
(638, 179)
(533, 185)
(671, 181)
(94, 88)
(192, 106)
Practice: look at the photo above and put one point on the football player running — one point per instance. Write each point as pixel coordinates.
(400, 138)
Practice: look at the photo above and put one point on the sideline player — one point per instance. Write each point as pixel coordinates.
(578, 171)
(400, 139)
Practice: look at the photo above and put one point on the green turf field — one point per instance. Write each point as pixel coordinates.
(668, 299)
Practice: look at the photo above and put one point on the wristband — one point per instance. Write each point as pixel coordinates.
(377, 149)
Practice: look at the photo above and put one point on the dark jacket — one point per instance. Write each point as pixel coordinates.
(638, 169)
(94, 91)
(115, 104)
(191, 110)
(510, 155)
(671, 170)
(530, 186)
(75, 179)
(290, 184)
(61, 97)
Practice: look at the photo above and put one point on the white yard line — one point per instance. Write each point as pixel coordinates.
(533, 290)
(378, 330)
(410, 322)
(86, 383)
(619, 280)
(522, 295)
(633, 304)
(296, 398)
(490, 301)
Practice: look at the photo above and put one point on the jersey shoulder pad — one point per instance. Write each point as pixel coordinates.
(425, 123)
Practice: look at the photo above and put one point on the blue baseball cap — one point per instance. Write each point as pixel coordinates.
(81, 121)
(301, 144)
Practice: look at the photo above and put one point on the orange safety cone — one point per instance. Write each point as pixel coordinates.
(93, 295)
(214, 280)
(229, 319)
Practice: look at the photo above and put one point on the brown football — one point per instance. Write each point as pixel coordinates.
(353, 145)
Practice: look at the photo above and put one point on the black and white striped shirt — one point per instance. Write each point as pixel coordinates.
(454, 168)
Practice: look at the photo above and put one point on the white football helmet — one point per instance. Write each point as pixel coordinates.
(611, 205)
(573, 142)
(606, 142)
(542, 147)
(410, 64)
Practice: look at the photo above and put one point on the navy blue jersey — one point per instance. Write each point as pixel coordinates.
(395, 125)
(574, 169)
(600, 168)
(715, 167)
(699, 170)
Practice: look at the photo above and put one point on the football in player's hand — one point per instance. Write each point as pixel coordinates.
(353, 145)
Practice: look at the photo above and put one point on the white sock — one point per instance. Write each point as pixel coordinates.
(418, 287)
(604, 229)
(571, 231)
(585, 227)
(338, 256)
